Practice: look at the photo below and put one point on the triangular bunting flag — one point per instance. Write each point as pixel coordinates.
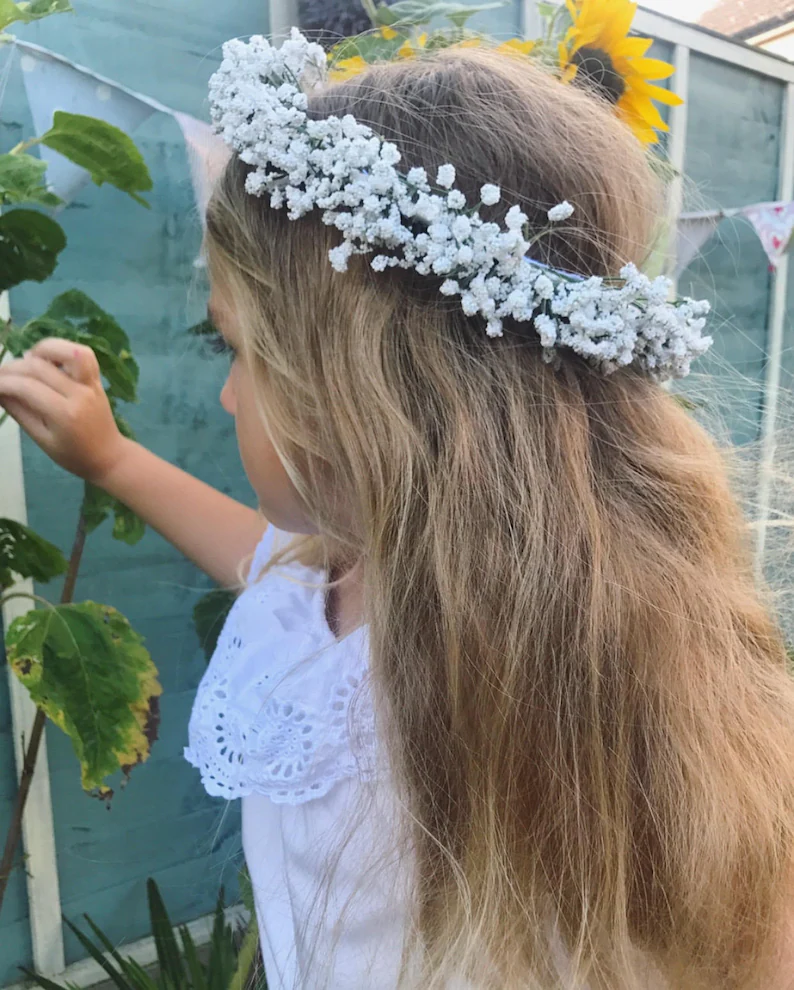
(774, 223)
(207, 155)
(693, 232)
(54, 83)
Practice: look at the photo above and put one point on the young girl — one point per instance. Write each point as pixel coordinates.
(507, 712)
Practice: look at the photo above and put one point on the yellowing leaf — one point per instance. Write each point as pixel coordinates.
(89, 672)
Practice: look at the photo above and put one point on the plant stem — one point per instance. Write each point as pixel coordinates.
(75, 558)
(23, 146)
(3, 418)
(371, 12)
(37, 731)
(25, 780)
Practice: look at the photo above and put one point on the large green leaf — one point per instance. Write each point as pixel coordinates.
(104, 150)
(209, 615)
(25, 554)
(22, 181)
(30, 243)
(414, 13)
(87, 669)
(30, 10)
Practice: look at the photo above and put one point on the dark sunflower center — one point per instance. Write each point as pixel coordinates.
(597, 71)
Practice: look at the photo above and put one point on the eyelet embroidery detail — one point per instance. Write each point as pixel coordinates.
(283, 709)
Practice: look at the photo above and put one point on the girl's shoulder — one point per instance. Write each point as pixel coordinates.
(284, 708)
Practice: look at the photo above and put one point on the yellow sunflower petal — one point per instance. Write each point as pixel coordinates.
(347, 68)
(421, 41)
(517, 46)
(642, 107)
(659, 95)
(633, 47)
(570, 73)
(645, 133)
(652, 68)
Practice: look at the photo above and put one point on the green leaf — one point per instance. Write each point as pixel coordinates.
(98, 956)
(30, 243)
(31, 10)
(372, 47)
(169, 958)
(415, 13)
(27, 555)
(75, 316)
(209, 615)
(97, 506)
(547, 10)
(22, 181)
(78, 309)
(246, 890)
(104, 150)
(87, 669)
(127, 527)
(198, 978)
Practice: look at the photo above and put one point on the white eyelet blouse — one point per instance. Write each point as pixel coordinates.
(283, 719)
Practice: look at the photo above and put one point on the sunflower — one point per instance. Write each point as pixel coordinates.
(597, 51)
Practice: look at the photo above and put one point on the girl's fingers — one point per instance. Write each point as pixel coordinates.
(37, 398)
(77, 360)
(47, 373)
(31, 422)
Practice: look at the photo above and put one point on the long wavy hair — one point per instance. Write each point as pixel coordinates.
(584, 702)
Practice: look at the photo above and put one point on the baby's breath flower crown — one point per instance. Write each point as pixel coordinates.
(406, 220)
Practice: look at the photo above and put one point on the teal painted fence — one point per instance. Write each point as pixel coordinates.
(140, 265)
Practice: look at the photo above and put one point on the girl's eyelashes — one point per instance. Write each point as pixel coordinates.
(220, 345)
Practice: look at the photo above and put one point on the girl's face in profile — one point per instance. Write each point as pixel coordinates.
(278, 498)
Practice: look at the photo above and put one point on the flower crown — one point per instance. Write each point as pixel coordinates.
(347, 171)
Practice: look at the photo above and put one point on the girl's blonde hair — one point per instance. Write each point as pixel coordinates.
(585, 705)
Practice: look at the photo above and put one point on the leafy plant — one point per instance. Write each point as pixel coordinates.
(83, 665)
(229, 962)
(30, 10)
(209, 615)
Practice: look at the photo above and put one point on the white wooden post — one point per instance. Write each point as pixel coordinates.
(676, 148)
(776, 327)
(38, 836)
(531, 21)
(283, 16)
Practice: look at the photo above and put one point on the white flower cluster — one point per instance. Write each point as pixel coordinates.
(406, 220)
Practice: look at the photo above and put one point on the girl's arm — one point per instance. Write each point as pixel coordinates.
(55, 393)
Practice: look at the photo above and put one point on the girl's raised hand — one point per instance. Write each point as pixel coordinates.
(55, 393)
